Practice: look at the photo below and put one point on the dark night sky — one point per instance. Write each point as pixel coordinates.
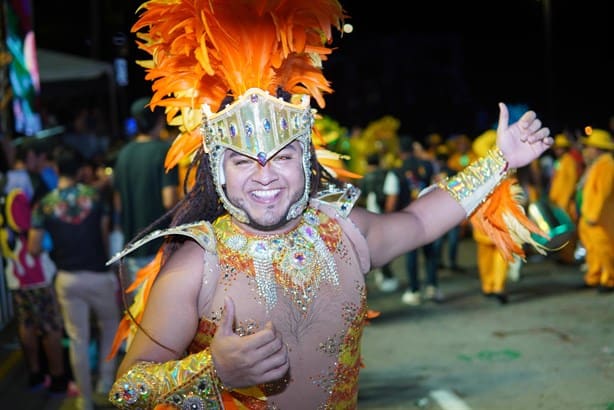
(437, 66)
(443, 66)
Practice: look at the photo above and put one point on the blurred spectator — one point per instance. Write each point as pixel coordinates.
(450, 240)
(29, 277)
(372, 186)
(77, 219)
(403, 186)
(144, 191)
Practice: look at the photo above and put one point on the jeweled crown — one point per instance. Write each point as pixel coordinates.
(257, 124)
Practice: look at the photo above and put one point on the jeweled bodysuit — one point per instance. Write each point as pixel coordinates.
(310, 283)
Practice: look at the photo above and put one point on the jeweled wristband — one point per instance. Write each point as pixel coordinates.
(471, 186)
(187, 383)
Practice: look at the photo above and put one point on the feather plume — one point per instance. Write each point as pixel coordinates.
(145, 276)
(503, 219)
(203, 50)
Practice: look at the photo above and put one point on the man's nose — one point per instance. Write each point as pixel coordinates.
(265, 174)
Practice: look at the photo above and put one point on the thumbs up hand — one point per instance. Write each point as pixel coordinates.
(243, 361)
(524, 140)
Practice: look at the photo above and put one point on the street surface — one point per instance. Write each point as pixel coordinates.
(551, 347)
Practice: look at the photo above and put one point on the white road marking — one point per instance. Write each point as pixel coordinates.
(448, 400)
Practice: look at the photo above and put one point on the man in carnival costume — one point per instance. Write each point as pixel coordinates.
(257, 298)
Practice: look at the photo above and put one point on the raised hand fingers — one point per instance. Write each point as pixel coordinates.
(527, 119)
(541, 135)
(534, 126)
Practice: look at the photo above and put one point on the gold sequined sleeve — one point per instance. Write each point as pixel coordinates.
(471, 186)
(187, 383)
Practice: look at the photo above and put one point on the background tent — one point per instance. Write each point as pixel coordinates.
(67, 78)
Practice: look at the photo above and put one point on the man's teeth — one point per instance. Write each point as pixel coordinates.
(266, 194)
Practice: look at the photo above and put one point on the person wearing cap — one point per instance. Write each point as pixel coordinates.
(562, 190)
(596, 225)
(257, 298)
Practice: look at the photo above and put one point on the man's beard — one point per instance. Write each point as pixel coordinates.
(280, 223)
(267, 228)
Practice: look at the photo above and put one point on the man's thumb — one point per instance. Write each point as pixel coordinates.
(504, 117)
(228, 316)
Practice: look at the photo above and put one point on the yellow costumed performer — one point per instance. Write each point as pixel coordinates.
(493, 263)
(596, 226)
(562, 191)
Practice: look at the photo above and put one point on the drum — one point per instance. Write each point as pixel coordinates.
(554, 221)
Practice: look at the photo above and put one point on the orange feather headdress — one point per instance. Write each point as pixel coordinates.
(203, 51)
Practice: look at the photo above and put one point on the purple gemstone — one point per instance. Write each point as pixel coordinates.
(299, 258)
(261, 158)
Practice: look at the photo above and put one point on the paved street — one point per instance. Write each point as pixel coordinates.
(551, 347)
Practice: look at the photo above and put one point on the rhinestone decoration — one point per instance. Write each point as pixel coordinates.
(298, 261)
(249, 129)
(266, 125)
(193, 403)
(261, 158)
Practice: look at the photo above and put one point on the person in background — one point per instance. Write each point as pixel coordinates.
(596, 225)
(562, 191)
(30, 277)
(372, 186)
(492, 264)
(257, 297)
(450, 240)
(144, 191)
(78, 221)
(415, 174)
(461, 153)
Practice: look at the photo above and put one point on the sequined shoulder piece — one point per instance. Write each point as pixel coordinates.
(343, 199)
(200, 231)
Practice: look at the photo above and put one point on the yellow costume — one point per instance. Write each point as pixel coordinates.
(596, 227)
(492, 267)
(562, 191)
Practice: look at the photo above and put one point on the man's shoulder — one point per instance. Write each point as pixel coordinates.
(341, 198)
(200, 231)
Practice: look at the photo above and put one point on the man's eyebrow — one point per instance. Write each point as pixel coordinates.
(291, 146)
(233, 154)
